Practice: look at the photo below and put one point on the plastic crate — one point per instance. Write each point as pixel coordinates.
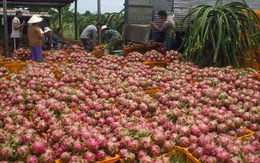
(251, 64)
(27, 113)
(170, 154)
(256, 76)
(111, 160)
(152, 92)
(248, 134)
(74, 109)
(98, 54)
(58, 76)
(190, 158)
(93, 68)
(15, 67)
(56, 70)
(126, 51)
(5, 62)
(44, 135)
(149, 91)
(8, 77)
(156, 63)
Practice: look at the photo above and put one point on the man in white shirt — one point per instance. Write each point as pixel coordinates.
(88, 37)
(16, 28)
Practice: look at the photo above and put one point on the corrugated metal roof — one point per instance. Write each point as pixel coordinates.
(43, 3)
(25, 13)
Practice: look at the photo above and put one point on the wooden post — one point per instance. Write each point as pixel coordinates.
(75, 19)
(6, 49)
(99, 20)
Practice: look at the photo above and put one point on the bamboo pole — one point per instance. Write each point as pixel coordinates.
(6, 49)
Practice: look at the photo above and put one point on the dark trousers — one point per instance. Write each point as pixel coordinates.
(16, 43)
(88, 45)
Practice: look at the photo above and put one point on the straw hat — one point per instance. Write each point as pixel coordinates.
(35, 19)
(104, 27)
(18, 11)
(47, 29)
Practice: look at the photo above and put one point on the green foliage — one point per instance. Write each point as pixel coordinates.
(112, 20)
(220, 35)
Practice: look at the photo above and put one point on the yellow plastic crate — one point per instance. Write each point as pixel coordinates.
(170, 154)
(256, 76)
(156, 63)
(149, 91)
(5, 62)
(111, 160)
(74, 109)
(152, 92)
(190, 157)
(251, 64)
(249, 133)
(44, 135)
(8, 77)
(98, 54)
(15, 67)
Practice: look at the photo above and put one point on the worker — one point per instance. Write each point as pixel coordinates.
(88, 36)
(168, 28)
(47, 39)
(17, 27)
(59, 40)
(35, 37)
(112, 38)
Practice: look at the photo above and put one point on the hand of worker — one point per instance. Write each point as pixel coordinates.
(152, 24)
(22, 25)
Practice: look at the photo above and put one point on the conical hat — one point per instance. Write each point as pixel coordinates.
(47, 29)
(104, 27)
(35, 19)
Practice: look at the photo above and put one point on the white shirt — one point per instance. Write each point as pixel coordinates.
(15, 33)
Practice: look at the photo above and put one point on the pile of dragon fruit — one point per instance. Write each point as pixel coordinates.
(92, 109)
(3, 71)
(22, 54)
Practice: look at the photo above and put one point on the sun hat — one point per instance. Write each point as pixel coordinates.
(18, 11)
(47, 29)
(35, 19)
(104, 27)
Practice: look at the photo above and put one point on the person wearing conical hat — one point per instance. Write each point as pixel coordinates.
(35, 37)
